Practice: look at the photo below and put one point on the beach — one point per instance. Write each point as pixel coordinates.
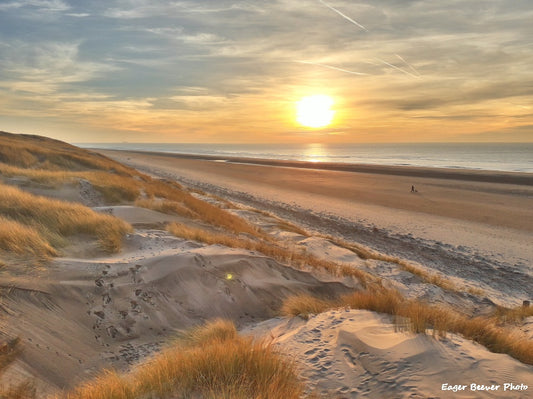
(473, 225)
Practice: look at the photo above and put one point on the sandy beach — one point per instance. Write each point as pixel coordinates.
(474, 225)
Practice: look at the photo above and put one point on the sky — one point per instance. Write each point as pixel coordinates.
(221, 71)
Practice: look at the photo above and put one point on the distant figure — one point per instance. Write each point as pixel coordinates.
(413, 190)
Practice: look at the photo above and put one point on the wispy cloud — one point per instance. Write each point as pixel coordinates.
(343, 15)
(42, 5)
(412, 68)
(332, 67)
(398, 68)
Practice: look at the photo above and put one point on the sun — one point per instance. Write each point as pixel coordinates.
(315, 111)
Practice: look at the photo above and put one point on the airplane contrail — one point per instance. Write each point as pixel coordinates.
(332, 67)
(399, 69)
(409, 65)
(343, 15)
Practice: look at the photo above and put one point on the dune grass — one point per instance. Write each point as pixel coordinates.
(114, 188)
(421, 317)
(512, 315)
(22, 239)
(436, 279)
(166, 206)
(53, 218)
(165, 196)
(37, 152)
(54, 163)
(211, 361)
(295, 258)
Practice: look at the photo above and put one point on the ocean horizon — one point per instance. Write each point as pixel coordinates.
(507, 157)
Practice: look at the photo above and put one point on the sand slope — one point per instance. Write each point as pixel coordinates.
(358, 354)
(83, 314)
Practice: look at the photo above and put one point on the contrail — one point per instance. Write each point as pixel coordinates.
(343, 15)
(409, 65)
(332, 67)
(399, 69)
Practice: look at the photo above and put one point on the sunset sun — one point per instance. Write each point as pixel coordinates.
(315, 111)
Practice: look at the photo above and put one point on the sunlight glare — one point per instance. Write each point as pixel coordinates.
(315, 111)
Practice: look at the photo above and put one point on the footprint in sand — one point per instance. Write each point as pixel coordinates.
(112, 331)
(106, 299)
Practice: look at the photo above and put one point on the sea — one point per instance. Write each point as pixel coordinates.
(510, 157)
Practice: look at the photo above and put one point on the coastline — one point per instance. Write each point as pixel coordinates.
(491, 176)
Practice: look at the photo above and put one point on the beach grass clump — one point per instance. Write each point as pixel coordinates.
(173, 192)
(22, 239)
(304, 305)
(166, 206)
(55, 218)
(212, 361)
(512, 315)
(114, 188)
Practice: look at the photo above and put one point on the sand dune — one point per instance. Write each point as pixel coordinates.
(354, 354)
(85, 314)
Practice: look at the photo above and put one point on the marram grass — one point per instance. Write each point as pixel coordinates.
(212, 361)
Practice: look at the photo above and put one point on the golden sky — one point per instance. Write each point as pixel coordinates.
(233, 71)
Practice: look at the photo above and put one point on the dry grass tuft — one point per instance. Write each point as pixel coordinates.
(212, 361)
(22, 239)
(513, 315)
(53, 218)
(114, 188)
(430, 278)
(304, 305)
(421, 317)
(166, 206)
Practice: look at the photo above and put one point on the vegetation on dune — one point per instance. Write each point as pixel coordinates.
(512, 315)
(53, 162)
(37, 226)
(212, 361)
(37, 152)
(420, 317)
(22, 239)
(34, 223)
(429, 278)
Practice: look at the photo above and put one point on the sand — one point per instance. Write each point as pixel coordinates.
(360, 354)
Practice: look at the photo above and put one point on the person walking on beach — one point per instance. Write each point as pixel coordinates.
(413, 189)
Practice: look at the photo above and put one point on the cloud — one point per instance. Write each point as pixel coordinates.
(413, 59)
(47, 69)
